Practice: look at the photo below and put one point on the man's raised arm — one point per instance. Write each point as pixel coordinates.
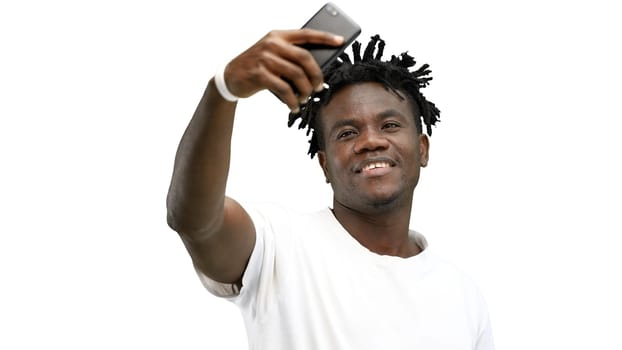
(216, 230)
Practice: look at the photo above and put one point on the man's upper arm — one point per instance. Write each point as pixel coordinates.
(224, 255)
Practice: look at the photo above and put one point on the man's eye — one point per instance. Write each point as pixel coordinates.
(345, 134)
(390, 125)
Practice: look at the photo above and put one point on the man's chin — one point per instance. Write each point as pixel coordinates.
(374, 201)
(384, 204)
(383, 201)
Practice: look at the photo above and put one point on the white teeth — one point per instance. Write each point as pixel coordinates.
(376, 165)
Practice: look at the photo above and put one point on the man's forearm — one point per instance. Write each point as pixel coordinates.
(197, 191)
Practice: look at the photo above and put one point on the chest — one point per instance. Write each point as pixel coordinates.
(359, 301)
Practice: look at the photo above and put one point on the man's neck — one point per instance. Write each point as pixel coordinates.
(382, 232)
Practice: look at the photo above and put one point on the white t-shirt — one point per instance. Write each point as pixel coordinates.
(310, 285)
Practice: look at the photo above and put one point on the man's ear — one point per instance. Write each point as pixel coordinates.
(321, 157)
(424, 150)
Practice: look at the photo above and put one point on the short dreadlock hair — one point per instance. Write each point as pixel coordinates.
(394, 74)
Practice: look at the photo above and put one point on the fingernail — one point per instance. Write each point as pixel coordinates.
(339, 38)
(319, 88)
(295, 109)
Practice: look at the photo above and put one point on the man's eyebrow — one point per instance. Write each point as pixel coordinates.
(390, 113)
(341, 123)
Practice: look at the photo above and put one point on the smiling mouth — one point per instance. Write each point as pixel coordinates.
(375, 165)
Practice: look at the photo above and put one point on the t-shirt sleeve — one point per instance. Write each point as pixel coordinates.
(259, 273)
(485, 339)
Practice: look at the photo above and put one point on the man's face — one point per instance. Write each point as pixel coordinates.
(372, 150)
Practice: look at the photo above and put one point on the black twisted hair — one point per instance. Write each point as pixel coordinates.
(394, 74)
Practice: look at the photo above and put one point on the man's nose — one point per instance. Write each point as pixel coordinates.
(370, 140)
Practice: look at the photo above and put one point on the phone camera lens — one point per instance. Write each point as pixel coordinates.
(331, 10)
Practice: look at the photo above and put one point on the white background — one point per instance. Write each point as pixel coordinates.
(522, 191)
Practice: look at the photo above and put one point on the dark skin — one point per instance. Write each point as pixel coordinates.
(218, 232)
(372, 154)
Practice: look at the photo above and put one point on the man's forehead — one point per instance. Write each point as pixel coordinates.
(364, 100)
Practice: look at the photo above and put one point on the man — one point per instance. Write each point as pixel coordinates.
(351, 277)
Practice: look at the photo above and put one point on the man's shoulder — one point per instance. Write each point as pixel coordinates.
(451, 273)
(277, 211)
(277, 217)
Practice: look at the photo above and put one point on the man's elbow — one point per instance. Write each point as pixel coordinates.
(193, 226)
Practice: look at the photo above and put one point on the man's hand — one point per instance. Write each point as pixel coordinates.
(276, 59)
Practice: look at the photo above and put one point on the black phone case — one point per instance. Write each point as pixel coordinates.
(333, 20)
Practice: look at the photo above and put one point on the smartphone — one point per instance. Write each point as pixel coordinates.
(331, 19)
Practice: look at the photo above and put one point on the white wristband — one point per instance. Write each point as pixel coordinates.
(221, 86)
